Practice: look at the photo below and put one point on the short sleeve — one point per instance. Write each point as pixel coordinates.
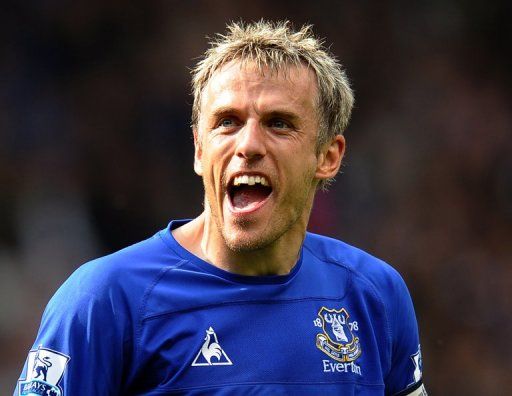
(79, 348)
(405, 375)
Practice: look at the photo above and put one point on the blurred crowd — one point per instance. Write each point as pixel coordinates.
(96, 154)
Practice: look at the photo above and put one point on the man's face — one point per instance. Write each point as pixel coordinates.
(256, 151)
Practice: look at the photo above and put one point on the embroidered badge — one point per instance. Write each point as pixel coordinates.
(45, 368)
(337, 340)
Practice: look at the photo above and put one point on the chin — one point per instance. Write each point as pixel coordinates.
(246, 241)
(244, 244)
(248, 236)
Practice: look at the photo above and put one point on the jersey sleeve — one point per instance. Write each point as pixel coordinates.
(405, 375)
(79, 348)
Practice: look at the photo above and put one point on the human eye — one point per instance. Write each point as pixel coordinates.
(227, 122)
(279, 124)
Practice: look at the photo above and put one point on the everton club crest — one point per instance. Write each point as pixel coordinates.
(337, 340)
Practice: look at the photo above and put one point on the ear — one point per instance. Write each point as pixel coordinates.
(198, 153)
(329, 158)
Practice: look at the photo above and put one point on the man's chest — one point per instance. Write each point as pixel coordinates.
(258, 345)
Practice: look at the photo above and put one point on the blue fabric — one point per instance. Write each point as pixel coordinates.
(153, 319)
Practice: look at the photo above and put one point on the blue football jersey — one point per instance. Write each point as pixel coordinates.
(153, 319)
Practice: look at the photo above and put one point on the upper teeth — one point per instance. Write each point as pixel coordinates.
(250, 180)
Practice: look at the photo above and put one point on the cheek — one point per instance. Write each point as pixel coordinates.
(305, 164)
(209, 175)
(300, 175)
(214, 162)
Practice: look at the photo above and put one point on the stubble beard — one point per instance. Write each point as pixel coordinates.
(242, 239)
(250, 243)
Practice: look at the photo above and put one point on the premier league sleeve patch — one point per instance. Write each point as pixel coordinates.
(45, 368)
(418, 365)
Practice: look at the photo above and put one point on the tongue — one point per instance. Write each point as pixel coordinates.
(248, 196)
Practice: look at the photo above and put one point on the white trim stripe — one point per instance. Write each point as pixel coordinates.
(421, 391)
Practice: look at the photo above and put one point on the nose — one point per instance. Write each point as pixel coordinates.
(250, 143)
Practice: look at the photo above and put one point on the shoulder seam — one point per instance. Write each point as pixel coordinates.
(377, 295)
(144, 301)
(340, 264)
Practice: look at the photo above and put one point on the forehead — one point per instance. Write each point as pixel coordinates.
(236, 82)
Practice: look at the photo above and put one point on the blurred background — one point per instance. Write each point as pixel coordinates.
(96, 154)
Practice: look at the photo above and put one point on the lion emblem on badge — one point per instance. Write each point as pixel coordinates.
(337, 340)
(41, 366)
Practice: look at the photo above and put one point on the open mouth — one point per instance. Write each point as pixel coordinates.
(247, 192)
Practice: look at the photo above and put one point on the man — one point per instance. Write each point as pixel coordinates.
(241, 300)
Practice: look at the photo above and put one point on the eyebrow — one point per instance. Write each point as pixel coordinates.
(289, 115)
(223, 110)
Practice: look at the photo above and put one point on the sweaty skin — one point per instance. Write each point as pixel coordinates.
(258, 123)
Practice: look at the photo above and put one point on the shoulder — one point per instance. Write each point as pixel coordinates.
(120, 278)
(371, 280)
(366, 270)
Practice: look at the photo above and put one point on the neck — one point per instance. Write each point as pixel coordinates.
(202, 238)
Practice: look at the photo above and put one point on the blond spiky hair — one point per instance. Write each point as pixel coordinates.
(276, 46)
